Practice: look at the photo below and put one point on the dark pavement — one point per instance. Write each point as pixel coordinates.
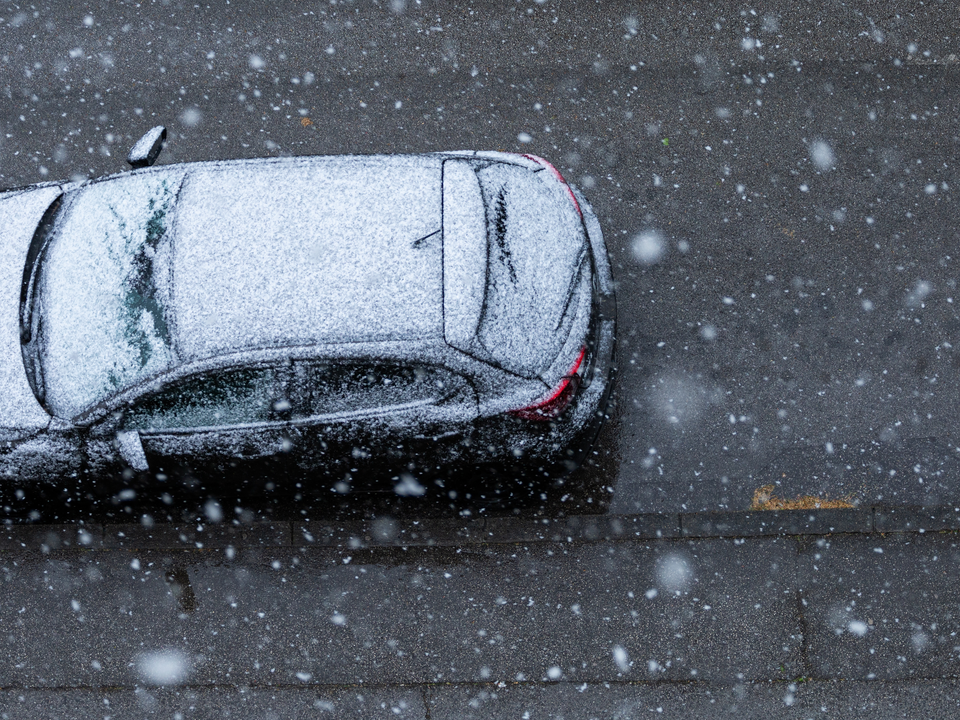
(790, 614)
(777, 186)
(794, 166)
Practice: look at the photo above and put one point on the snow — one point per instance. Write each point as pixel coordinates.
(140, 153)
(104, 291)
(621, 658)
(535, 243)
(857, 627)
(648, 247)
(19, 215)
(163, 667)
(213, 511)
(822, 155)
(191, 117)
(675, 573)
(409, 487)
(464, 250)
(286, 231)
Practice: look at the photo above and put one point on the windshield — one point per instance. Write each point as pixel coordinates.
(534, 246)
(103, 292)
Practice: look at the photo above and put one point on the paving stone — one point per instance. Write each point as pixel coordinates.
(49, 538)
(784, 700)
(289, 703)
(776, 522)
(562, 701)
(196, 536)
(916, 519)
(680, 610)
(881, 607)
(582, 527)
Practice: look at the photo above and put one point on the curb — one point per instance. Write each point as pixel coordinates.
(454, 532)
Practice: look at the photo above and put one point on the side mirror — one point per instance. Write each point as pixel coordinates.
(145, 152)
(131, 450)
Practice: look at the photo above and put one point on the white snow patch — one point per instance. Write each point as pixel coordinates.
(213, 511)
(163, 667)
(822, 155)
(919, 293)
(621, 658)
(256, 62)
(191, 117)
(857, 627)
(648, 247)
(674, 573)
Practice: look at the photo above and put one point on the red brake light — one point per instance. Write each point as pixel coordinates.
(560, 397)
(556, 174)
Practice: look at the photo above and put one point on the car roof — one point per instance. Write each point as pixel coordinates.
(289, 229)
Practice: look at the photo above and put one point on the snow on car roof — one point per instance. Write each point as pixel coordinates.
(322, 250)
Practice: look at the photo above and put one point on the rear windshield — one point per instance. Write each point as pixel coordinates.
(535, 246)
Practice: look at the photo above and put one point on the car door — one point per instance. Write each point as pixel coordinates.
(362, 421)
(41, 455)
(211, 424)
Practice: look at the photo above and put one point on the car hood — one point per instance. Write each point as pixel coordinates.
(20, 213)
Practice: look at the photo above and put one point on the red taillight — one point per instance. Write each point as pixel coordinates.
(557, 401)
(556, 174)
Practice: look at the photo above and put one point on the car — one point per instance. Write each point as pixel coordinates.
(314, 317)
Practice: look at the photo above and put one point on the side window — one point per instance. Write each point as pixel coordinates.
(328, 388)
(225, 397)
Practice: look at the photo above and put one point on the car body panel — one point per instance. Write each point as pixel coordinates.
(20, 213)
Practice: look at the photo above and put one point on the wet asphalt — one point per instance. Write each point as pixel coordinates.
(793, 615)
(777, 190)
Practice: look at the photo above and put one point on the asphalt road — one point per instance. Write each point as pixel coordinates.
(794, 168)
(616, 617)
(777, 189)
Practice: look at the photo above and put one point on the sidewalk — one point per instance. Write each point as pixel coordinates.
(839, 613)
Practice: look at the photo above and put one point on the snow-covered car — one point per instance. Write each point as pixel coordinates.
(280, 317)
